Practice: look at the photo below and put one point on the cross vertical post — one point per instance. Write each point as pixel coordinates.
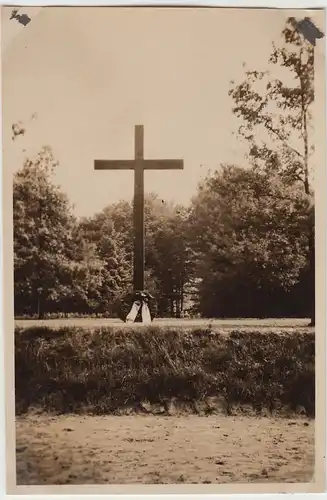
(138, 164)
(138, 211)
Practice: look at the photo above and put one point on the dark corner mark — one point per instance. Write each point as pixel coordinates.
(17, 129)
(21, 18)
(309, 30)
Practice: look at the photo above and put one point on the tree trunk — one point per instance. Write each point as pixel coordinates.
(312, 257)
(312, 281)
(178, 307)
(171, 307)
(40, 309)
(182, 293)
(311, 237)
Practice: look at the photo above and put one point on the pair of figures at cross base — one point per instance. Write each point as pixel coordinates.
(140, 310)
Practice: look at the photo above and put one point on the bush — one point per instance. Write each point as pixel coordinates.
(107, 369)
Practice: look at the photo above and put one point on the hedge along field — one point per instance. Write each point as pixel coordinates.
(159, 369)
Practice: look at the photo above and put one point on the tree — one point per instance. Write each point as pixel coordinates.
(276, 117)
(42, 234)
(168, 254)
(247, 231)
(82, 277)
(111, 248)
(167, 263)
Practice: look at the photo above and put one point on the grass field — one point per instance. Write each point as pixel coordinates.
(214, 323)
(103, 370)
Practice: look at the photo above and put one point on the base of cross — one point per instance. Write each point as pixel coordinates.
(140, 311)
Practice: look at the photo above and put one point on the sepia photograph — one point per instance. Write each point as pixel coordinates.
(164, 173)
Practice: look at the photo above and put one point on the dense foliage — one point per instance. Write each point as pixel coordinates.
(276, 122)
(243, 247)
(250, 244)
(110, 369)
(240, 249)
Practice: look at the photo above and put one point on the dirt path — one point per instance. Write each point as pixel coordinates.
(148, 449)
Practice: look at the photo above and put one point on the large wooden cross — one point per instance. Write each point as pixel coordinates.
(139, 164)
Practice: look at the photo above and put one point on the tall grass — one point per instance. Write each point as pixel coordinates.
(109, 369)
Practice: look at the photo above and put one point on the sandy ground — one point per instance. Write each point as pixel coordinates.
(215, 323)
(156, 449)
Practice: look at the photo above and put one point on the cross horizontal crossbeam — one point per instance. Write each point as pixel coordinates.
(143, 164)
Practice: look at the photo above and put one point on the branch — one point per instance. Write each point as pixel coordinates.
(279, 136)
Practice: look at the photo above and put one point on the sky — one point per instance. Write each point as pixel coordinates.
(80, 79)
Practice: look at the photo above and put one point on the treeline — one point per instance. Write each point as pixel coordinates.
(239, 249)
(68, 265)
(243, 247)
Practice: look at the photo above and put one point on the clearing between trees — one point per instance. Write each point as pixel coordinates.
(89, 322)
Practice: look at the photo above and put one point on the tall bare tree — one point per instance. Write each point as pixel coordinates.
(276, 111)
